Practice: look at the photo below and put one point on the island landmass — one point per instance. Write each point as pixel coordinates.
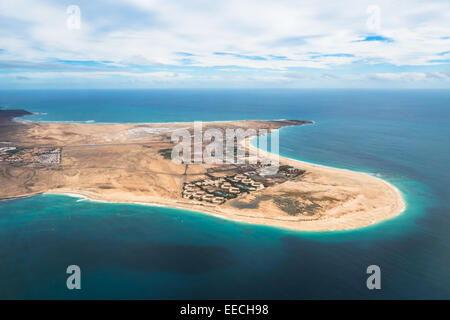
(131, 163)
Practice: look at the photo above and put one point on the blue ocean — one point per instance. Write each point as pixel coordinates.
(133, 251)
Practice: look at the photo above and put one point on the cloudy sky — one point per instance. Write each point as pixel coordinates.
(233, 43)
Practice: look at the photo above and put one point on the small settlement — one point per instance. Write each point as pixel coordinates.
(35, 155)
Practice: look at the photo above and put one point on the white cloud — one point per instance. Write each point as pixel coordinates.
(99, 75)
(408, 76)
(309, 34)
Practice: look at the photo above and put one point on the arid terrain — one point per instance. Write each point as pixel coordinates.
(131, 163)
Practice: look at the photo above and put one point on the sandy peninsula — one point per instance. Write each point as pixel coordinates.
(130, 163)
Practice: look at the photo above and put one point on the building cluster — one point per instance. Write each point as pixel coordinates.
(289, 172)
(36, 155)
(217, 190)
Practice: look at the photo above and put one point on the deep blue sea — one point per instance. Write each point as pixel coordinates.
(132, 251)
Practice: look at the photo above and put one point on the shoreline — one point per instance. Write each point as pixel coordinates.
(329, 167)
(399, 207)
(93, 122)
(350, 215)
(400, 203)
(199, 208)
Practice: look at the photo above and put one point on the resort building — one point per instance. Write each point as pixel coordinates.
(208, 197)
(218, 200)
(257, 185)
(208, 182)
(247, 181)
(234, 190)
(226, 185)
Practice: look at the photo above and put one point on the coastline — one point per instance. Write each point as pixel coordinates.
(397, 190)
(399, 202)
(93, 122)
(356, 215)
(337, 224)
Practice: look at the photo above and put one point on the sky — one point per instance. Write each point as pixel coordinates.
(224, 44)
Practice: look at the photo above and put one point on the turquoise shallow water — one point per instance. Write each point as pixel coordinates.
(131, 251)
